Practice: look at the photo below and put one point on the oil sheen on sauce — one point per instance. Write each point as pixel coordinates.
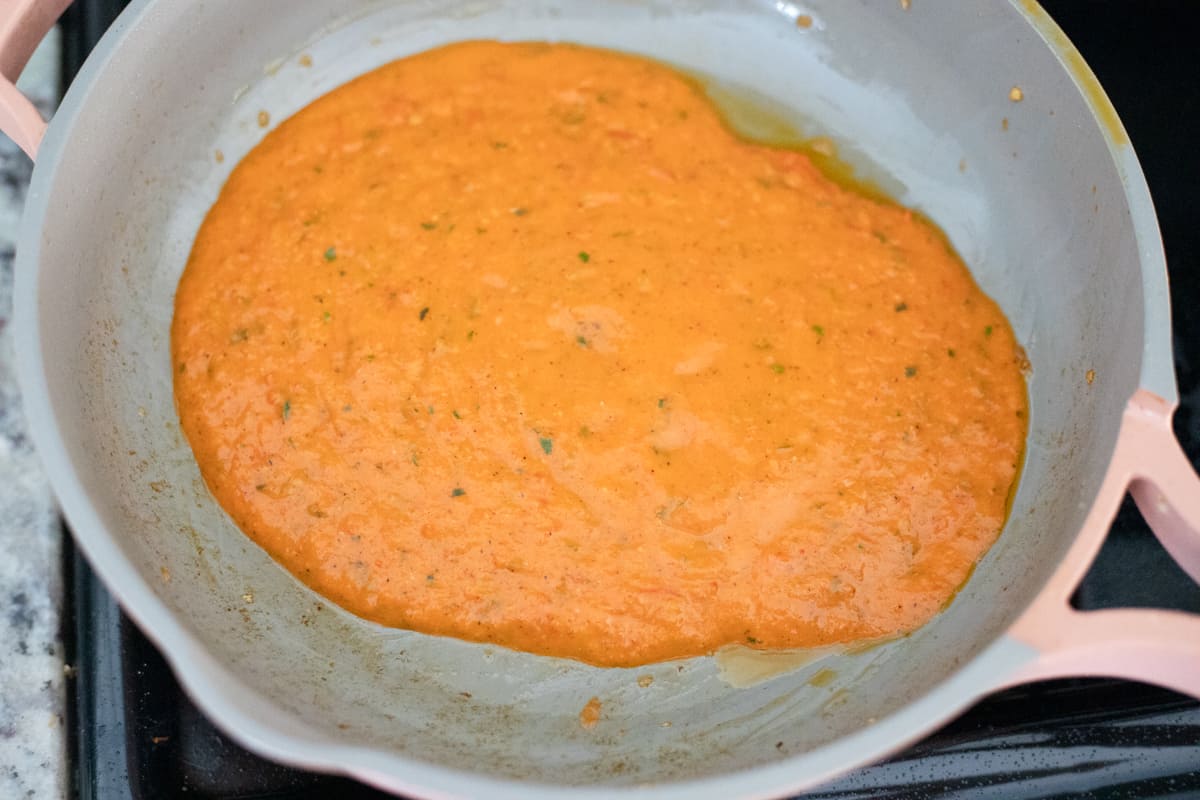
(519, 343)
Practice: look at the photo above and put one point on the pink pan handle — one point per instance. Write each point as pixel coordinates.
(1161, 647)
(23, 23)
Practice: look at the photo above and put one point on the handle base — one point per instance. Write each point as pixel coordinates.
(1154, 646)
(23, 24)
(20, 119)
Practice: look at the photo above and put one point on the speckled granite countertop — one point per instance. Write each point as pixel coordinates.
(31, 661)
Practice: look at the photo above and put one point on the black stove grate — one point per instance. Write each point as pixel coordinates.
(134, 735)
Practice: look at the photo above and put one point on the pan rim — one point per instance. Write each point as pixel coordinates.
(255, 722)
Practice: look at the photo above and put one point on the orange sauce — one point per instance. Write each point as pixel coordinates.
(519, 343)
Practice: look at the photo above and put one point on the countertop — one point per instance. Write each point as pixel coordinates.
(32, 671)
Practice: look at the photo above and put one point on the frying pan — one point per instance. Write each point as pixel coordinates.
(1050, 210)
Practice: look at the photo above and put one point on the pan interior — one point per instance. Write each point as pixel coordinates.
(918, 99)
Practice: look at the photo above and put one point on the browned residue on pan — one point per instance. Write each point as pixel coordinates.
(590, 714)
(1073, 61)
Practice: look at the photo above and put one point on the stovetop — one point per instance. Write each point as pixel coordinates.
(134, 735)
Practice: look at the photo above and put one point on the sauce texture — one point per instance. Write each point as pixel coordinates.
(519, 343)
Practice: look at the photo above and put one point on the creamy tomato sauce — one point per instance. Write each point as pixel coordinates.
(518, 343)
